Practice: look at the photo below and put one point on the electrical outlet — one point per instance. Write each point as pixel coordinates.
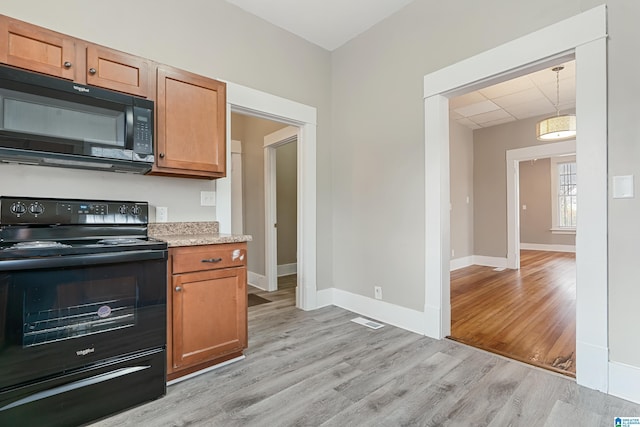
(377, 292)
(162, 214)
(207, 198)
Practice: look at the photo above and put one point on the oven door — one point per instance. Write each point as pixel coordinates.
(60, 314)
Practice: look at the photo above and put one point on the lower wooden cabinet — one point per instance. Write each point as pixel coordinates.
(208, 310)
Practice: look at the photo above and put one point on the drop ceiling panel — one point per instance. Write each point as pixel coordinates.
(526, 96)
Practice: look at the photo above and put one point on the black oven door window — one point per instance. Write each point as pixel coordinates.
(77, 306)
(56, 320)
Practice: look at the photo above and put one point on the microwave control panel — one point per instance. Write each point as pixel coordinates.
(142, 130)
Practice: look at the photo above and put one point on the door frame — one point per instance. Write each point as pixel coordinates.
(252, 102)
(585, 37)
(236, 148)
(271, 143)
(514, 157)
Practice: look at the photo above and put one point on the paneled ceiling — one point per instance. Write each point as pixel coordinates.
(527, 96)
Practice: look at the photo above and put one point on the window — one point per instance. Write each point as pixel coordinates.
(564, 193)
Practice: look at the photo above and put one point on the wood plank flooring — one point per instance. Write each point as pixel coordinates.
(527, 314)
(318, 368)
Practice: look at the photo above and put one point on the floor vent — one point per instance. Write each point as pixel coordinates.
(368, 323)
(499, 269)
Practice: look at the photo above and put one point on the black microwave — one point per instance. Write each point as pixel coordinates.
(54, 122)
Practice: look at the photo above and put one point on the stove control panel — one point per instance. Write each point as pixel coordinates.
(27, 210)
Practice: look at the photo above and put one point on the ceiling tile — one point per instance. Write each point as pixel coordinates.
(526, 96)
(507, 88)
(468, 123)
(499, 122)
(477, 108)
(490, 116)
(467, 99)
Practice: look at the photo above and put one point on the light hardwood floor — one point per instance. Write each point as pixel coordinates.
(318, 368)
(527, 314)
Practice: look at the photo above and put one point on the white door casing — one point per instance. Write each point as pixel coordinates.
(256, 103)
(237, 216)
(514, 157)
(584, 36)
(271, 142)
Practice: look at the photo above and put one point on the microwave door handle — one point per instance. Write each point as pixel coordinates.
(129, 127)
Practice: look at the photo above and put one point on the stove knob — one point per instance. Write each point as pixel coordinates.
(36, 209)
(135, 210)
(122, 210)
(18, 209)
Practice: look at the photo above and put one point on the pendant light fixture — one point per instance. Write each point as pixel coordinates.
(557, 127)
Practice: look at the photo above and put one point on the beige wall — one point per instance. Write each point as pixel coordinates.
(461, 189)
(251, 131)
(490, 182)
(535, 193)
(286, 190)
(378, 145)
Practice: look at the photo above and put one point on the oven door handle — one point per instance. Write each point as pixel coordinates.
(84, 260)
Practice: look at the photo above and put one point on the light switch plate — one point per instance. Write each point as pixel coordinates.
(623, 187)
(207, 198)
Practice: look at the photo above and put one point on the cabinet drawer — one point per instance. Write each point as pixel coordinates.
(199, 258)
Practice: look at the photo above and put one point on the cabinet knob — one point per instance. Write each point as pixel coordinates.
(161, 155)
(178, 288)
(92, 70)
(67, 64)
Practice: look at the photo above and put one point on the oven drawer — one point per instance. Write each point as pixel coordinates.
(88, 394)
(210, 257)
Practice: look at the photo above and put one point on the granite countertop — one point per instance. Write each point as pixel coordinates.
(193, 234)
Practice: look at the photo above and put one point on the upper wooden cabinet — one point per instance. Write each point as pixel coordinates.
(44, 51)
(119, 71)
(191, 117)
(28, 46)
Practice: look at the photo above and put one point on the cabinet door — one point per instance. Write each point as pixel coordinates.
(37, 49)
(116, 70)
(209, 315)
(191, 123)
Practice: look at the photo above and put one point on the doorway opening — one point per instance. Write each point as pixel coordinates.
(582, 36)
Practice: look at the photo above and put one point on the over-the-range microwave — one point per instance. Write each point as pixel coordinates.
(55, 122)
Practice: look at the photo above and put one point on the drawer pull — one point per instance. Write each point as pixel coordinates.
(213, 260)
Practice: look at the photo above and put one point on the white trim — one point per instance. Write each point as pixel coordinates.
(585, 34)
(324, 297)
(271, 142)
(205, 370)
(623, 381)
(514, 157)
(490, 261)
(381, 311)
(261, 104)
(548, 248)
(287, 269)
(257, 280)
(458, 263)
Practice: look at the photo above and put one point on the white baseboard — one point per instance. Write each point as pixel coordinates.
(458, 263)
(205, 370)
(384, 312)
(257, 280)
(490, 261)
(324, 298)
(287, 269)
(623, 381)
(550, 248)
